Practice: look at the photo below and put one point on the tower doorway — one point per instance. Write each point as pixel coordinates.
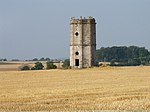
(76, 62)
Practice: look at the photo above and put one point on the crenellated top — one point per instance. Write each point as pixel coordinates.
(88, 20)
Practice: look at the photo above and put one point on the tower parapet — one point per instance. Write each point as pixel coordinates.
(88, 20)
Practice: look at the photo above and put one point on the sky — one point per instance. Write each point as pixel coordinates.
(40, 28)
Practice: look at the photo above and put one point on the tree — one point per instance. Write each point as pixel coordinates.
(131, 55)
(66, 63)
(50, 65)
(134, 62)
(35, 59)
(5, 59)
(38, 66)
(42, 59)
(47, 59)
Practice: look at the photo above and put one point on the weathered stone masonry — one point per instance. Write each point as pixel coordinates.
(82, 42)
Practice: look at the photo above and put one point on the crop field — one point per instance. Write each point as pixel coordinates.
(102, 88)
(14, 65)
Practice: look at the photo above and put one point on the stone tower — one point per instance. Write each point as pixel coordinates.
(82, 42)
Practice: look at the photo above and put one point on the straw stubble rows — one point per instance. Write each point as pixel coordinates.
(104, 88)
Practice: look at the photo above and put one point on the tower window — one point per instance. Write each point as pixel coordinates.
(76, 33)
(77, 53)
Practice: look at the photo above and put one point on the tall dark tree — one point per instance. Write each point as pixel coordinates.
(47, 59)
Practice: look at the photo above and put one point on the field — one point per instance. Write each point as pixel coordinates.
(14, 65)
(103, 88)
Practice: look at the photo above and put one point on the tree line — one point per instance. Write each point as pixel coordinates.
(49, 65)
(38, 66)
(34, 59)
(123, 55)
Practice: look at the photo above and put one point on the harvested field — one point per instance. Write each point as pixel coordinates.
(13, 65)
(104, 88)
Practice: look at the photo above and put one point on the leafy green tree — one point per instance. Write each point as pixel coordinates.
(134, 62)
(50, 65)
(38, 66)
(66, 63)
(131, 55)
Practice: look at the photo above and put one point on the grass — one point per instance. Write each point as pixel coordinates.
(106, 88)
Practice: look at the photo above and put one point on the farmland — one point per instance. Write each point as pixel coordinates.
(14, 65)
(102, 88)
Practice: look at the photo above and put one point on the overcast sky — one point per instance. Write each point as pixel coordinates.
(40, 28)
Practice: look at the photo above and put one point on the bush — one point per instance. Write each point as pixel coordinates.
(24, 67)
(66, 64)
(50, 65)
(38, 66)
